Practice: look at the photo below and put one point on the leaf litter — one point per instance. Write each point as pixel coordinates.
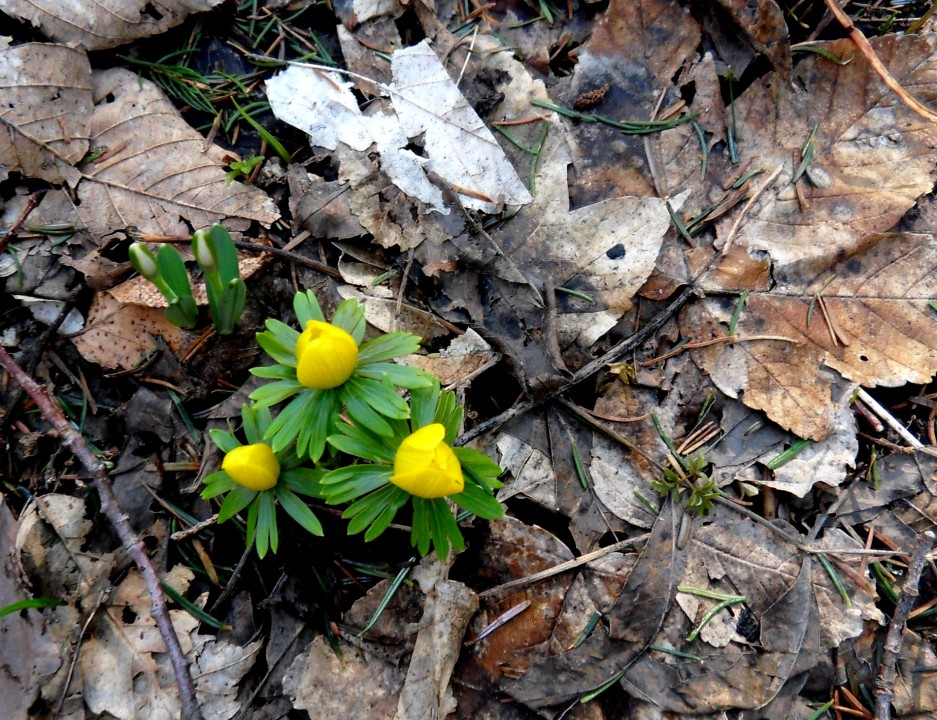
(787, 183)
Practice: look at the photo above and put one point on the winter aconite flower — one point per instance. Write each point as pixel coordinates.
(255, 477)
(326, 370)
(425, 466)
(416, 463)
(325, 356)
(254, 466)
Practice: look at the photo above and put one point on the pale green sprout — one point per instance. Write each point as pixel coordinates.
(215, 252)
(167, 272)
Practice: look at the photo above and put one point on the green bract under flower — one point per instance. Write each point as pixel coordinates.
(425, 466)
(255, 478)
(415, 464)
(326, 370)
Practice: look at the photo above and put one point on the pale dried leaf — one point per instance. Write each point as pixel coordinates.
(154, 175)
(463, 356)
(118, 334)
(50, 542)
(877, 301)
(530, 471)
(839, 621)
(27, 654)
(382, 313)
(101, 24)
(449, 606)
(373, 685)
(45, 96)
(824, 462)
(459, 147)
(748, 651)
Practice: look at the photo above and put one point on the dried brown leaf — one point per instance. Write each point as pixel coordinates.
(101, 24)
(876, 302)
(766, 29)
(27, 654)
(154, 175)
(119, 335)
(45, 96)
(872, 156)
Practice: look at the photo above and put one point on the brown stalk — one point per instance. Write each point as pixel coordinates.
(133, 545)
(888, 670)
(860, 40)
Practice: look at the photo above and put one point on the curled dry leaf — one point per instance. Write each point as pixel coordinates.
(101, 24)
(45, 96)
(153, 174)
(874, 328)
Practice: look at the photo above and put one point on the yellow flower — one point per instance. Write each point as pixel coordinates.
(325, 356)
(253, 466)
(425, 466)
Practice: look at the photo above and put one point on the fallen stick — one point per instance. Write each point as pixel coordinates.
(109, 505)
(888, 670)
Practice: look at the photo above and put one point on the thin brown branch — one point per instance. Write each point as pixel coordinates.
(109, 505)
(888, 670)
(586, 371)
(863, 44)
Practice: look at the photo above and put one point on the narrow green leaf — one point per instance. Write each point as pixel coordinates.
(388, 596)
(303, 480)
(218, 486)
(366, 510)
(286, 426)
(320, 420)
(275, 392)
(224, 440)
(193, 609)
(275, 372)
(420, 533)
(306, 307)
(388, 347)
(481, 467)
(267, 535)
(238, 499)
(299, 511)
(275, 347)
(478, 501)
(28, 603)
(399, 375)
(423, 402)
(349, 316)
(362, 413)
(361, 445)
(381, 398)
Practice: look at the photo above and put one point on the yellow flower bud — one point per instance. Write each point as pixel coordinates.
(325, 356)
(425, 466)
(253, 466)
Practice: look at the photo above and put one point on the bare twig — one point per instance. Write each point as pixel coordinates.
(586, 371)
(890, 420)
(863, 44)
(562, 567)
(109, 505)
(888, 670)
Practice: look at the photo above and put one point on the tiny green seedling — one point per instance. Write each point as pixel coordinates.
(217, 256)
(167, 272)
(215, 252)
